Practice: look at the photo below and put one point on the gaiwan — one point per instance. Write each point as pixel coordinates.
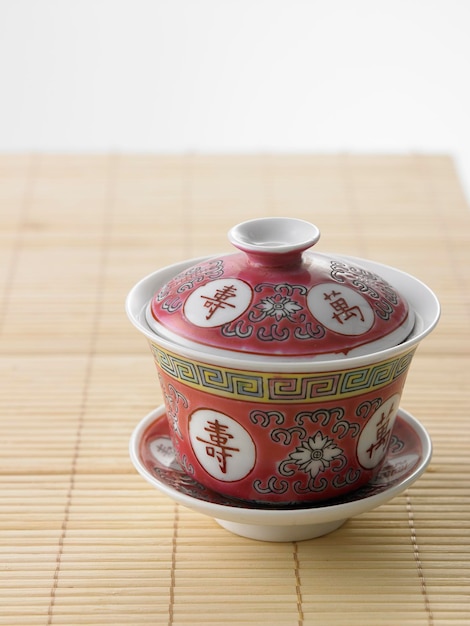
(281, 368)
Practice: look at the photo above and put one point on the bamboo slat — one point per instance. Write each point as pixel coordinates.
(83, 539)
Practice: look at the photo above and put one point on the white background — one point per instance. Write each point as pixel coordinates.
(236, 75)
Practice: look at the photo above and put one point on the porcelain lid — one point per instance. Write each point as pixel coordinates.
(275, 298)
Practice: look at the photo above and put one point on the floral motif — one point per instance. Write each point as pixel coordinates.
(279, 307)
(315, 454)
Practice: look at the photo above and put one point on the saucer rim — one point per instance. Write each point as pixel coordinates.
(278, 516)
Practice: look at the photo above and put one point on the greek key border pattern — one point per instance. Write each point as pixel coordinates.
(264, 387)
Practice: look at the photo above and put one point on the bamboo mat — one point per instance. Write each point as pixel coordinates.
(83, 539)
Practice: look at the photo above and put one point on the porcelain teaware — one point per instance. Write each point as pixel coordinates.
(281, 368)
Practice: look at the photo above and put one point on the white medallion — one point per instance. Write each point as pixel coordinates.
(162, 450)
(374, 439)
(218, 302)
(224, 448)
(341, 309)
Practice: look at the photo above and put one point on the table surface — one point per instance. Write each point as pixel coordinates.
(83, 538)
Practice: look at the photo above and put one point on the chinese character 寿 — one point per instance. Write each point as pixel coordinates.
(217, 445)
(219, 299)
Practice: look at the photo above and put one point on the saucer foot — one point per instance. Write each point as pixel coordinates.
(281, 533)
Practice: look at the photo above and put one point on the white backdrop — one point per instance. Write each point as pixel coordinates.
(236, 75)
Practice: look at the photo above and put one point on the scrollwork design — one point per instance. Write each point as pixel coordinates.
(364, 287)
(309, 331)
(237, 329)
(349, 478)
(177, 396)
(273, 333)
(285, 435)
(173, 305)
(342, 428)
(173, 398)
(274, 485)
(163, 293)
(368, 407)
(340, 271)
(325, 415)
(186, 465)
(301, 417)
(360, 278)
(386, 298)
(208, 271)
(396, 445)
(315, 485)
(285, 468)
(383, 309)
(186, 280)
(263, 418)
(390, 294)
(342, 463)
(281, 288)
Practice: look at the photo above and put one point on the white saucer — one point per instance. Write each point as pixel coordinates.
(152, 454)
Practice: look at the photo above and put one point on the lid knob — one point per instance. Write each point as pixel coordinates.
(274, 241)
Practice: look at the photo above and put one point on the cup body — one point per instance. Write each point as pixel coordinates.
(282, 431)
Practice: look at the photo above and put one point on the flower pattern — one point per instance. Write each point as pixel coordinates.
(279, 307)
(315, 454)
